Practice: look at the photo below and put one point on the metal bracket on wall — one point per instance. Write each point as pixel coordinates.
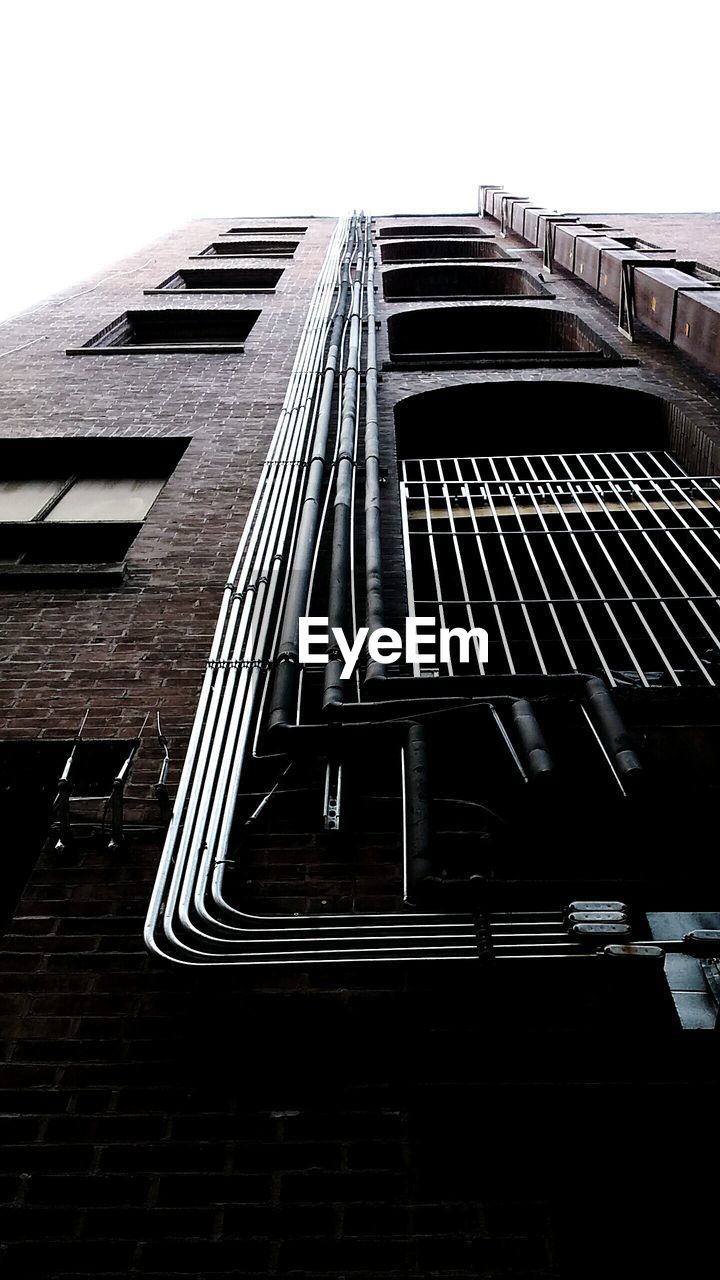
(332, 798)
(551, 222)
(485, 189)
(112, 801)
(627, 309)
(626, 312)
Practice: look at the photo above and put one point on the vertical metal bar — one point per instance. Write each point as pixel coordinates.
(571, 587)
(486, 571)
(528, 544)
(609, 611)
(513, 574)
(461, 569)
(412, 612)
(657, 553)
(116, 815)
(582, 508)
(433, 554)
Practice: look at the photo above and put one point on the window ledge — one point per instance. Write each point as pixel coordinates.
(159, 349)
(471, 297)
(221, 257)
(180, 293)
(70, 574)
(508, 360)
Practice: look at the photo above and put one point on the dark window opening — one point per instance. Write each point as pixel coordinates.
(463, 248)
(249, 249)
(465, 336)
(437, 229)
(221, 280)
(157, 332)
(403, 284)
(71, 508)
(563, 520)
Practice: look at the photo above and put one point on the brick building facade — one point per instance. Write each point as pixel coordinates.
(385, 1119)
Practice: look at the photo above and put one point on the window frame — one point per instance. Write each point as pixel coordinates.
(109, 341)
(23, 542)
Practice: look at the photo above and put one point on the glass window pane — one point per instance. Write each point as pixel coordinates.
(118, 499)
(22, 499)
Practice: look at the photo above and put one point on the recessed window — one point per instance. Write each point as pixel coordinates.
(560, 517)
(437, 229)
(265, 231)
(463, 248)
(461, 337)
(158, 332)
(461, 280)
(249, 249)
(221, 280)
(70, 508)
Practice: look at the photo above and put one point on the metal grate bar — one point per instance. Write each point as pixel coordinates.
(606, 562)
(548, 466)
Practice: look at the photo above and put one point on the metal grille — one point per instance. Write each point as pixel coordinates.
(604, 562)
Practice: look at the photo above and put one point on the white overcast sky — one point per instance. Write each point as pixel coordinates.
(122, 120)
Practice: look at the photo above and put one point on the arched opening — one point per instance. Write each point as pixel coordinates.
(426, 229)
(461, 280)
(458, 337)
(579, 524)
(463, 249)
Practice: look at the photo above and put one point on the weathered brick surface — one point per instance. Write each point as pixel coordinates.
(160, 1122)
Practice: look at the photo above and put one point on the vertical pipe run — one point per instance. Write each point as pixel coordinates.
(267, 524)
(285, 685)
(373, 549)
(340, 564)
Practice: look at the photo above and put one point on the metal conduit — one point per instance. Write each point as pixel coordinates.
(286, 678)
(341, 557)
(373, 549)
(188, 919)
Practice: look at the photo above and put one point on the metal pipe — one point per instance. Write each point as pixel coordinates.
(190, 920)
(286, 676)
(340, 559)
(416, 806)
(278, 481)
(242, 654)
(537, 757)
(373, 546)
(612, 732)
